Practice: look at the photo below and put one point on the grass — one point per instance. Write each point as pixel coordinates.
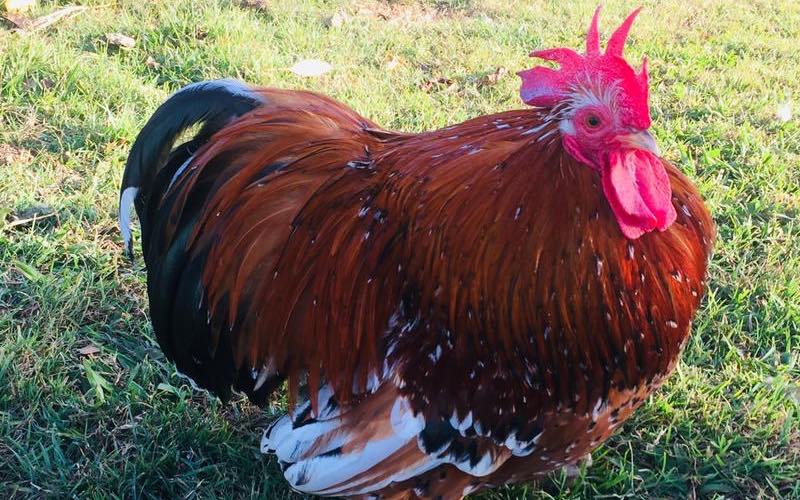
(89, 407)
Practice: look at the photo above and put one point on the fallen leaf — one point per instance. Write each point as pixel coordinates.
(494, 77)
(120, 41)
(438, 84)
(88, 350)
(15, 21)
(24, 25)
(311, 68)
(152, 63)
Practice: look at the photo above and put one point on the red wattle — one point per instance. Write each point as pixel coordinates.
(637, 187)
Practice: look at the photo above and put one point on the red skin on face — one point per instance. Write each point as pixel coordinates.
(602, 98)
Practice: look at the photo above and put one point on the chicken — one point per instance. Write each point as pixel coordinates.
(452, 310)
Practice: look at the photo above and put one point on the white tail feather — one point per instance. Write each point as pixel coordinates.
(125, 207)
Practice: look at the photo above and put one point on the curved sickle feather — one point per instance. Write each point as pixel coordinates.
(616, 44)
(593, 36)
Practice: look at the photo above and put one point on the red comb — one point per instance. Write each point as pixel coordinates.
(593, 37)
(544, 86)
(616, 44)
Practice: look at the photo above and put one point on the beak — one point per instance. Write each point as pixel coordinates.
(640, 140)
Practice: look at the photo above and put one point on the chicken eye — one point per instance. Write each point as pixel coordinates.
(592, 121)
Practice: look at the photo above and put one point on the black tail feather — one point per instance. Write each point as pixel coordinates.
(213, 103)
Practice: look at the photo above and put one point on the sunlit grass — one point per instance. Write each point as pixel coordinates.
(119, 422)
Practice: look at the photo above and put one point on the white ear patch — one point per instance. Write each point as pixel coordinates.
(567, 127)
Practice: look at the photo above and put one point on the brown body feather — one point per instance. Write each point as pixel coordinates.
(481, 262)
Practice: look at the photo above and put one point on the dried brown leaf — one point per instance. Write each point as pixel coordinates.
(152, 63)
(17, 22)
(494, 77)
(88, 350)
(439, 84)
(25, 25)
(120, 41)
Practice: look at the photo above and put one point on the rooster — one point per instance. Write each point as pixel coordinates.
(451, 310)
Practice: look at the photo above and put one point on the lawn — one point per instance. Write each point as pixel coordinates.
(90, 408)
